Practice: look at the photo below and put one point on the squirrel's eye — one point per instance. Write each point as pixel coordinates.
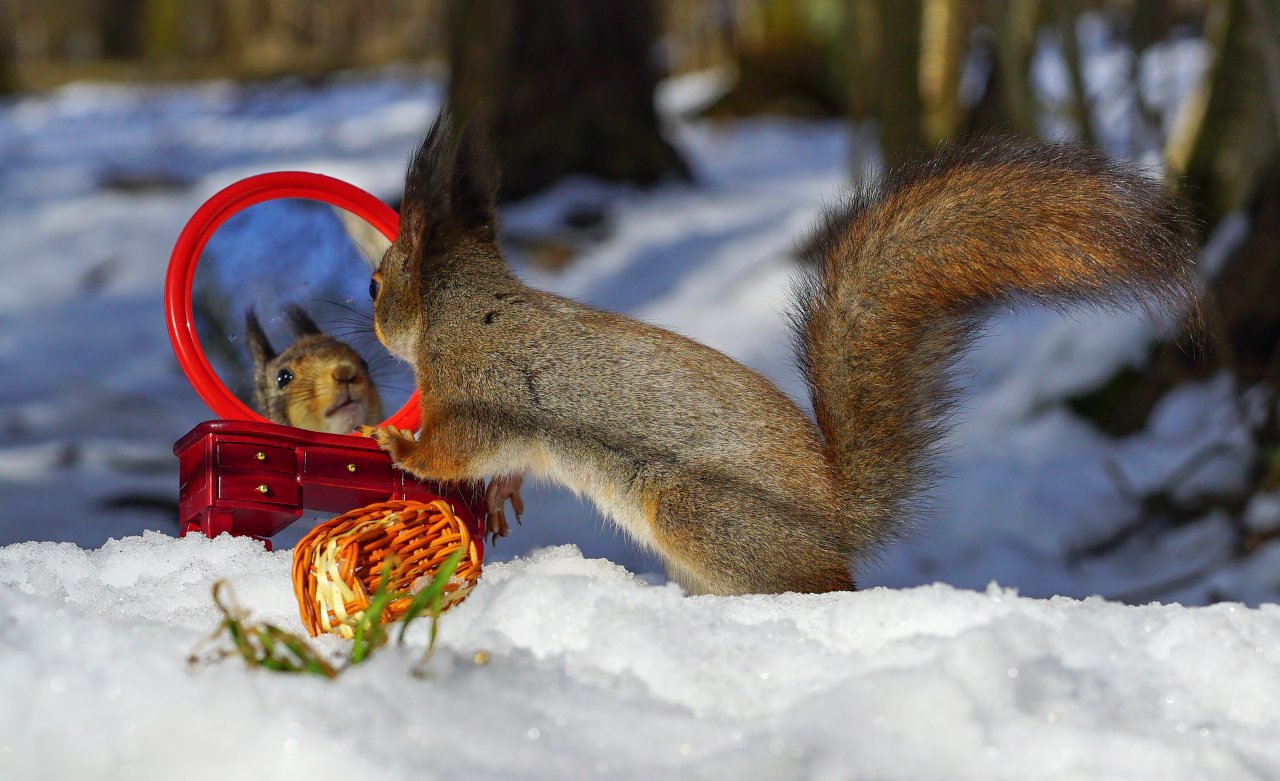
(373, 289)
(284, 377)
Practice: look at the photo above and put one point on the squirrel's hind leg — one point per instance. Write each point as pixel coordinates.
(685, 578)
(751, 544)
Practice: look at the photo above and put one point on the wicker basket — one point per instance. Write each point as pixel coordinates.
(336, 567)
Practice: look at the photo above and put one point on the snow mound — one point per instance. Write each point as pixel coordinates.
(594, 672)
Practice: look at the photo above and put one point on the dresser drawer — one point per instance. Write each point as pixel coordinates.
(259, 487)
(239, 455)
(346, 465)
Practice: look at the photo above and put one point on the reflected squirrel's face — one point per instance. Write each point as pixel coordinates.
(317, 383)
(320, 384)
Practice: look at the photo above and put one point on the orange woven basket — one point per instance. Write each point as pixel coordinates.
(337, 566)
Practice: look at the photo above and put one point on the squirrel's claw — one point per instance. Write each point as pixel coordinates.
(398, 442)
(496, 525)
(517, 503)
(496, 494)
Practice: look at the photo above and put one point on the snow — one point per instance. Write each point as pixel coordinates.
(593, 672)
(597, 666)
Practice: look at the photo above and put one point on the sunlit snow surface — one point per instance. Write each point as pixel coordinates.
(593, 671)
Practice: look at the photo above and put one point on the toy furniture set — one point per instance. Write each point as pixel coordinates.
(245, 476)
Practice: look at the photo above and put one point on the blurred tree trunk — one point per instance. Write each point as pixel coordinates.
(944, 36)
(901, 110)
(1226, 133)
(851, 58)
(1008, 102)
(1245, 310)
(133, 29)
(1068, 17)
(163, 28)
(783, 65)
(567, 87)
(862, 32)
(906, 72)
(1150, 23)
(121, 25)
(8, 79)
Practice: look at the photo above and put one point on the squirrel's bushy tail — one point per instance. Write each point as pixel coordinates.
(903, 269)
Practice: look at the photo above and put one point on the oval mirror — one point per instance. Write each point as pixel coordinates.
(269, 309)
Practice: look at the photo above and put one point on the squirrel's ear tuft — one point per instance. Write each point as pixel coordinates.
(474, 184)
(451, 186)
(302, 323)
(261, 349)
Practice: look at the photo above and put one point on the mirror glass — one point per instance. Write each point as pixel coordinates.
(281, 306)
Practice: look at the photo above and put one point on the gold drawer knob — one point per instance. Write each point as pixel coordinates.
(260, 456)
(264, 489)
(351, 467)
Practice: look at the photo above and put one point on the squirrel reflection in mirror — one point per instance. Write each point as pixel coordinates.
(317, 383)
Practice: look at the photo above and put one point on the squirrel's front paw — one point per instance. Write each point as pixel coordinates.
(398, 442)
(496, 494)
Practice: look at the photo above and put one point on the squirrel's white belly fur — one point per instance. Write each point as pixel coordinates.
(620, 504)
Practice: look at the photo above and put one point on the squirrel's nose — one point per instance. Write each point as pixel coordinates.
(345, 373)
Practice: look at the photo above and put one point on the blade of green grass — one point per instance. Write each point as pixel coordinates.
(432, 596)
(266, 645)
(368, 630)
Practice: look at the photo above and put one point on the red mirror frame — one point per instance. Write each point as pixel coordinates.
(195, 235)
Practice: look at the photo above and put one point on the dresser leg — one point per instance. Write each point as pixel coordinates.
(209, 522)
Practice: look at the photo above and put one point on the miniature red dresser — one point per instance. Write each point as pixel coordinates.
(249, 478)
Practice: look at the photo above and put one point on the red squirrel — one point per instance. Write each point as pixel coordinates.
(701, 459)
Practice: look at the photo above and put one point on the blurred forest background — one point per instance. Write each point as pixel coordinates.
(920, 73)
(570, 86)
